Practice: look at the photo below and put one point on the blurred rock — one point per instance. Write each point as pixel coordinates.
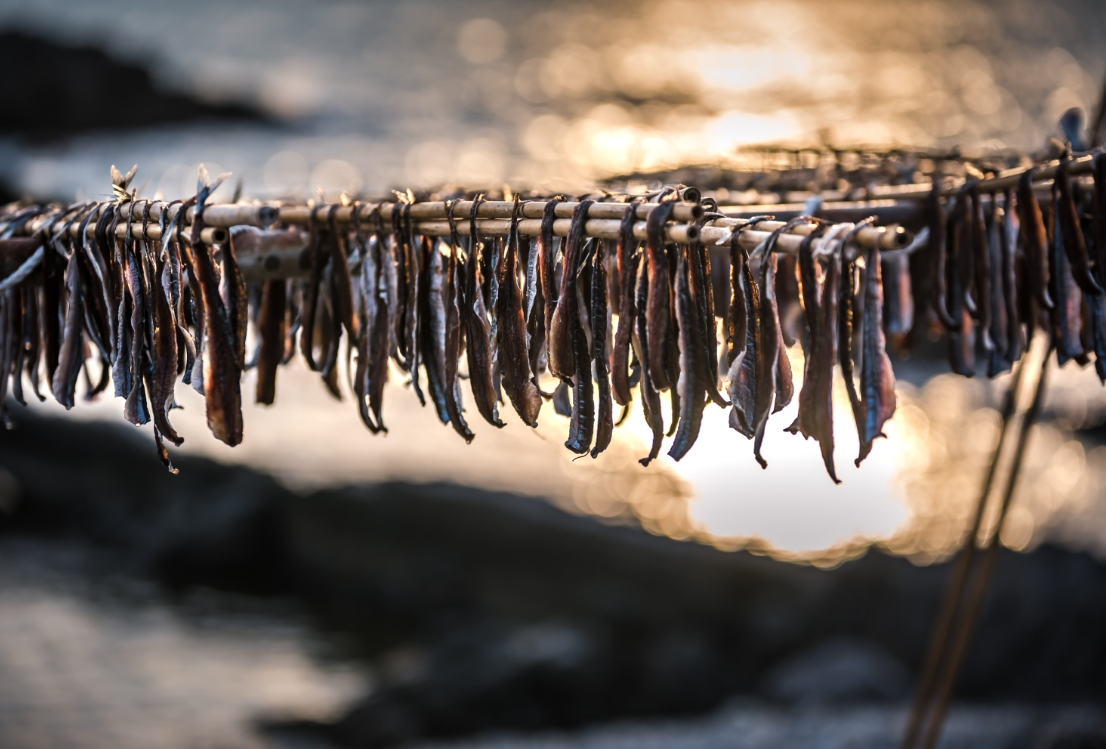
(839, 670)
(490, 611)
(54, 89)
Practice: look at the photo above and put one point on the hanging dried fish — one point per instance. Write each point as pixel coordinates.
(432, 328)
(513, 353)
(692, 377)
(979, 297)
(221, 375)
(960, 336)
(650, 398)
(272, 327)
(582, 419)
(600, 325)
(453, 333)
(745, 328)
(71, 354)
(938, 251)
(1015, 341)
(1075, 247)
(1067, 313)
(311, 291)
(659, 312)
(877, 380)
(815, 418)
(561, 345)
(1036, 242)
(477, 333)
(997, 335)
(627, 313)
(547, 265)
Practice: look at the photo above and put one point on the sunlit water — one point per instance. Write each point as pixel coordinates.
(374, 95)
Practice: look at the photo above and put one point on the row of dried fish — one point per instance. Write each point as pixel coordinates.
(523, 320)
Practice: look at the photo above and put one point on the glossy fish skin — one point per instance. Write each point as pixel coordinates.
(998, 335)
(272, 327)
(815, 418)
(513, 353)
(691, 380)
(562, 355)
(547, 265)
(600, 321)
(1036, 244)
(221, 376)
(432, 325)
(379, 332)
(71, 356)
(453, 343)
(938, 273)
(627, 312)
(1075, 246)
(165, 356)
(981, 260)
(1067, 313)
(533, 308)
(743, 369)
(136, 409)
(659, 311)
(650, 398)
(343, 280)
(877, 380)
(1015, 340)
(311, 293)
(411, 313)
(582, 419)
(477, 333)
(768, 356)
(707, 330)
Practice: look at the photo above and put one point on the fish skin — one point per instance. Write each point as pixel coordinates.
(672, 345)
(624, 263)
(1036, 244)
(235, 301)
(877, 380)
(411, 308)
(768, 354)
(659, 311)
(399, 254)
(53, 281)
(477, 332)
(562, 347)
(380, 341)
(272, 327)
(432, 325)
(650, 398)
(1075, 246)
(311, 292)
(33, 339)
(1067, 313)
(582, 419)
(959, 338)
(981, 261)
(368, 309)
(1015, 341)
(900, 298)
(815, 417)
(547, 268)
(562, 400)
(691, 380)
(70, 356)
(164, 348)
(533, 309)
(453, 342)
(514, 359)
(343, 280)
(707, 329)
(221, 376)
(17, 337)
(136, 409)
(997, 335)
(743, 370)
(600, 324)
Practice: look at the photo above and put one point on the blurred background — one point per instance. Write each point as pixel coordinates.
(320, 586)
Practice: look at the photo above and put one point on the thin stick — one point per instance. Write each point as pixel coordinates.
(955, 591)
(975, 600)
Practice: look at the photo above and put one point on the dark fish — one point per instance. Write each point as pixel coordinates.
(692, 378)
(938, 272)
(136, 409)
(900, 299)
(432, 325)
(222, 377)
(343, 281)
(624, 264)
(272, 327)
(959, 338)
(476, 331)
(533, 310)
(877, 380)
(164, 371)
(71, 354)
(650, 398)
(600, 325)
(399, 254)
(562, 400)
(703, 290)
(769, 353)
(17, 320)
(1035, 243)
(1015, 340)
(453, 338)
(1075, 245)
(565, 315)
(411, 309)
(547, 270)
(659, 311)
(234, 298)
(311, 291)
(1067, 314)
(743, 370)
(1098, 214)
(815, 418)
(997, 335)
(981, 261)
(582, 420)
(33, 336)
(513, 354)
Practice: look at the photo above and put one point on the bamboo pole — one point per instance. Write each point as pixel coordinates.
(886, 238)
(221, 215)
(300, 215)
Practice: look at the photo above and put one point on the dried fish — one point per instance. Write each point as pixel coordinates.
(692, 378)
(1036, 242)
(272, 327)
(1015, 340)
(513, 353)
(659, 311)
(745, 321)
(453, 335)
(997, 336)
(1075, 247)
(1067, 313)
(624, 263)
(650, 398)
(477, 333)
(311, 291)
(582, 419)
(562, 357)
(815, 418)
(547, 265)
(600, 325)
(877, 380)
(71, 356)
